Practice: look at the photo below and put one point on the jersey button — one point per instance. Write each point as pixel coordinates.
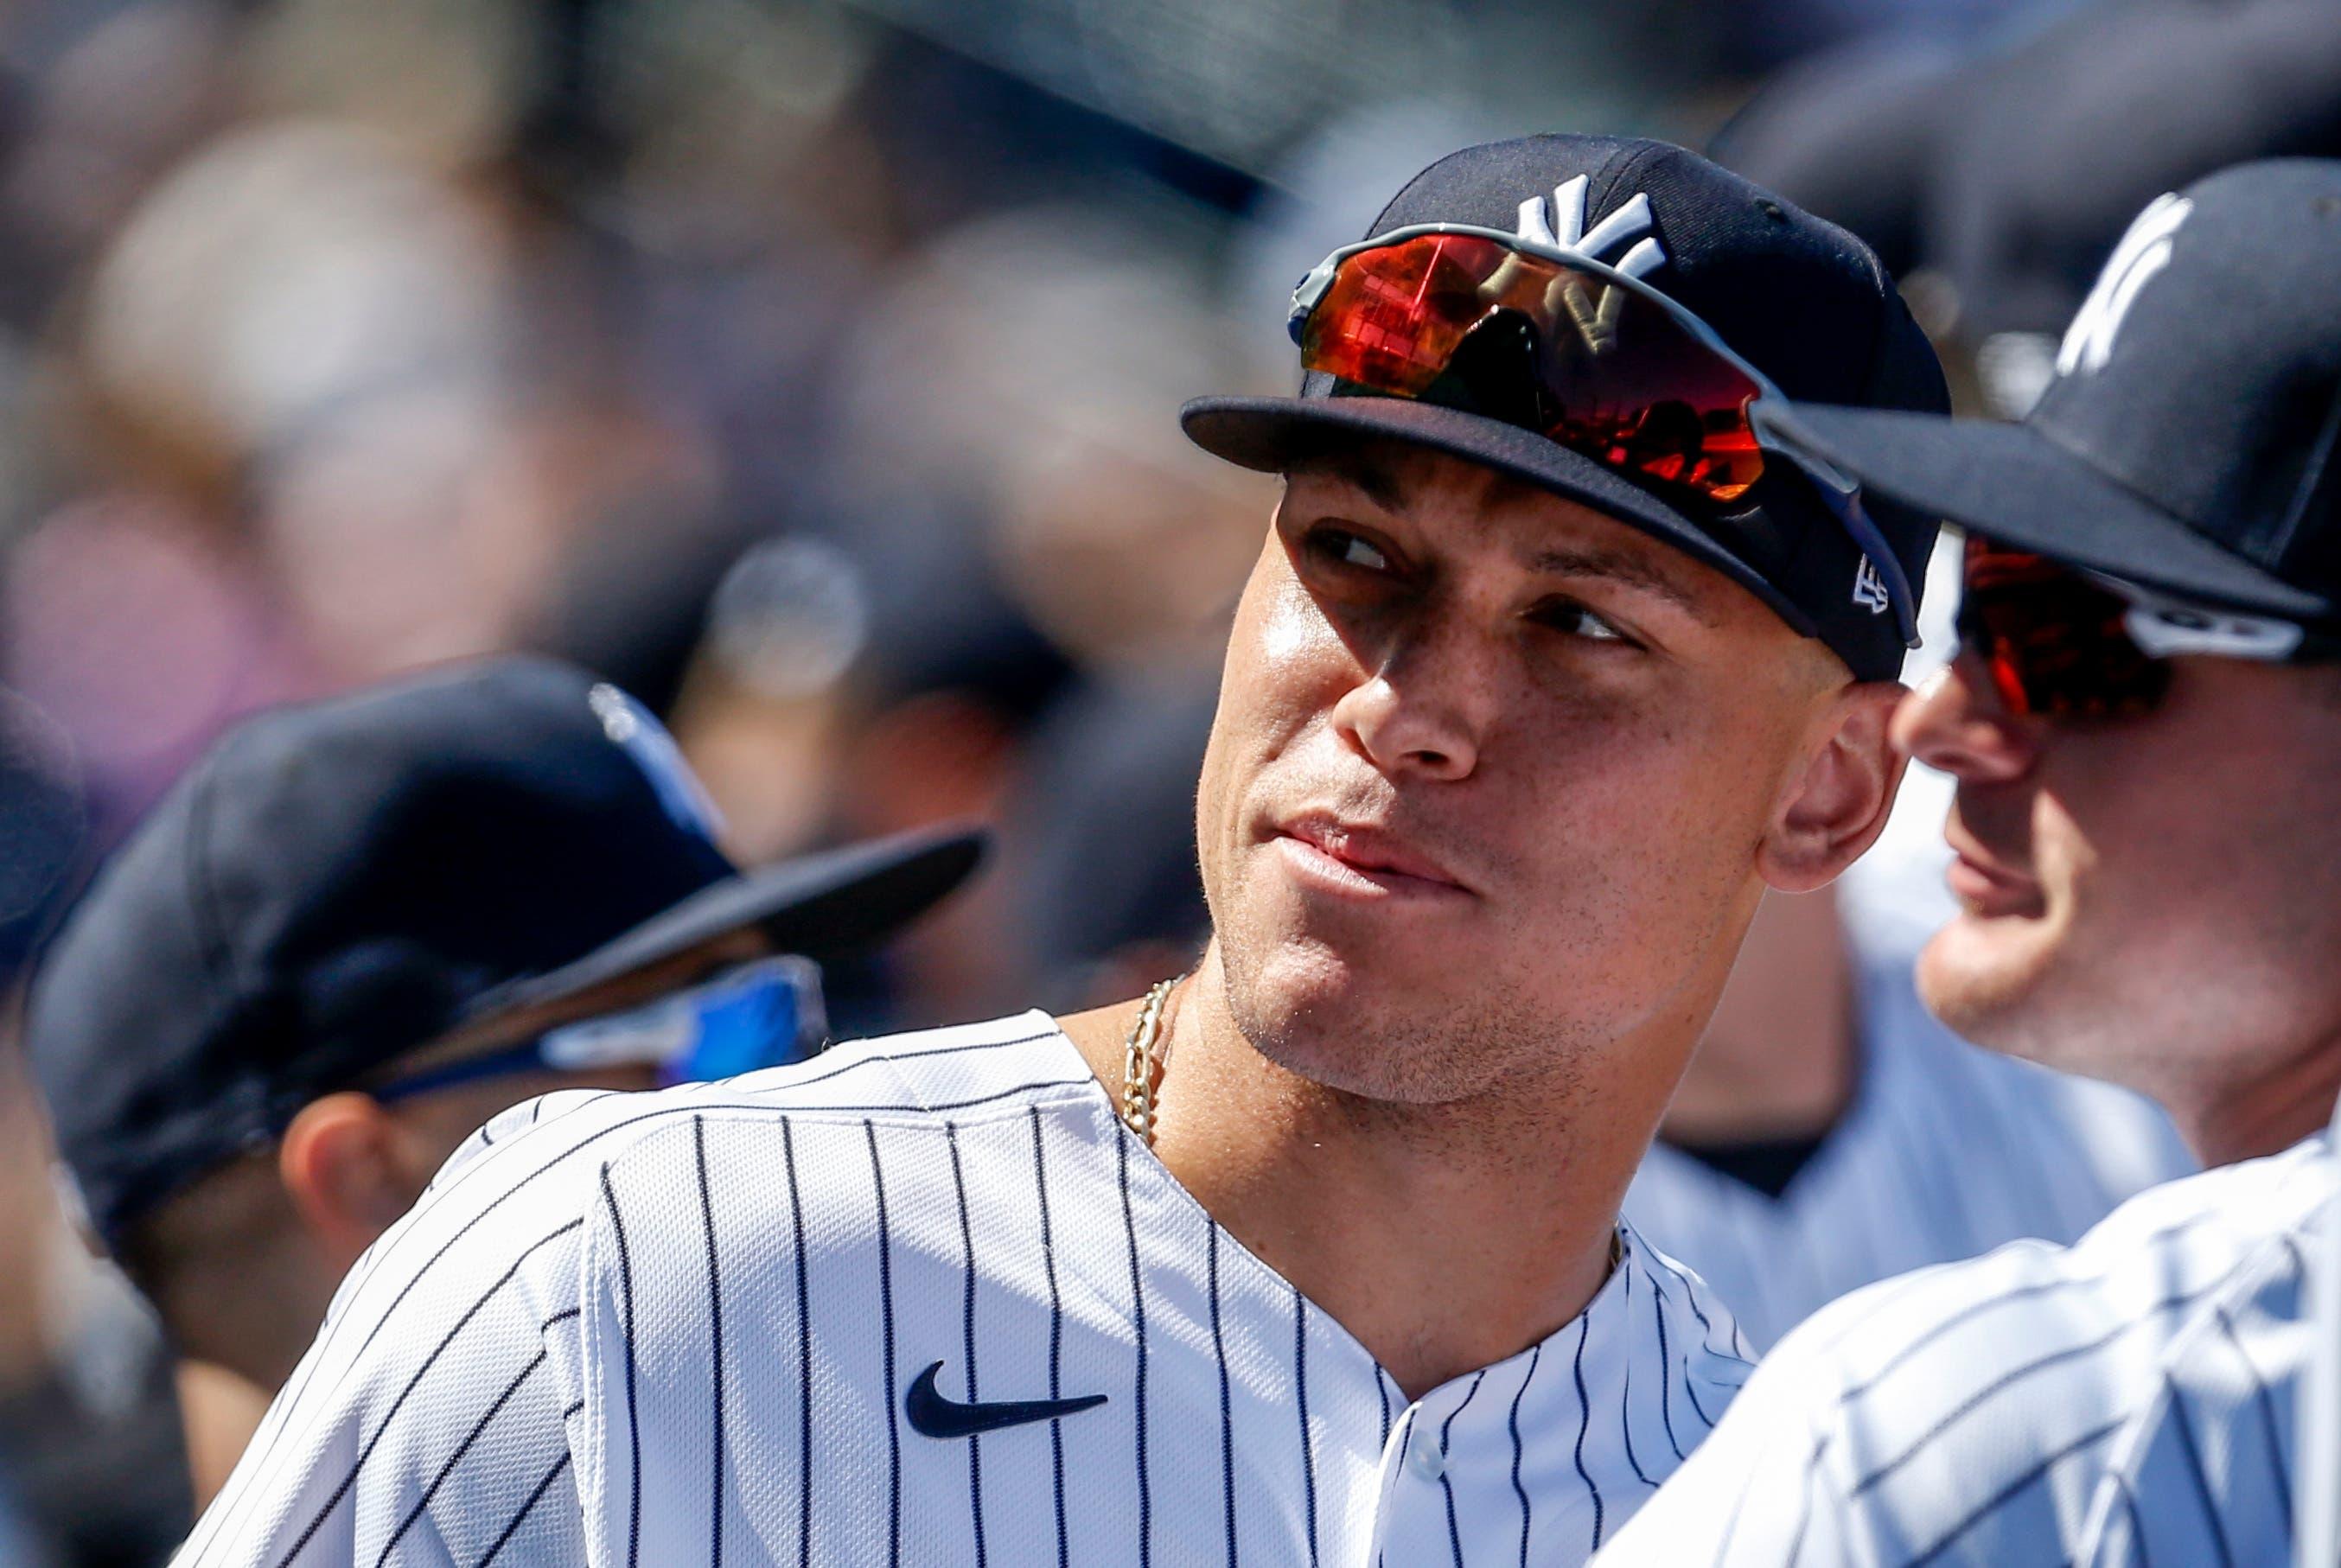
(1429, 1461)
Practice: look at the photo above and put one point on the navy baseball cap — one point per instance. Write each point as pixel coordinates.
(1800, 300)
(2191, 440)
(336, 884)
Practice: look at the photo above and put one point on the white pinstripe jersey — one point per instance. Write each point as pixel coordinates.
(687, 1327)
(2128, 1400)
(1945, 1152)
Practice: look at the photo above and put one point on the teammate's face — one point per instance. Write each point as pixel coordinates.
(2141, 899)
(1490, 781)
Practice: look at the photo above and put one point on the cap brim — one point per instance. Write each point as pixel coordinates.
(2016, 486)
(1272, 434)
(821, 906)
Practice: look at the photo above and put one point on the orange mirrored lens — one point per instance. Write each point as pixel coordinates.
(1471, 323)
(2055, 644)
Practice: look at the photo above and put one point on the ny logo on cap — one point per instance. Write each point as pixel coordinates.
(1558, 220)
(2144, 251)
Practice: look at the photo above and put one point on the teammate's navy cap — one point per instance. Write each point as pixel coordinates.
(2191, 441)
(337, 884)
(1800, 300)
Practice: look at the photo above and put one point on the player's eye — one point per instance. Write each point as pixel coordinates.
(1341, 547)
(1572, 619)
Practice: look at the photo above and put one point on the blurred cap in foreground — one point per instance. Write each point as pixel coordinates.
(338, 884)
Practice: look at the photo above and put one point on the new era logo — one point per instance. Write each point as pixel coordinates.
(1870, 589)
(2144, 251)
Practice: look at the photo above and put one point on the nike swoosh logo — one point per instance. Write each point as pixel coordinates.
(932, 1416)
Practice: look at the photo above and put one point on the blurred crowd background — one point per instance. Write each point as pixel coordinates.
(810, 370)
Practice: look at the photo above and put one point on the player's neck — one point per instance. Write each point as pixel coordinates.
(1780, 1058)
(219, 1410)
(1444, 1241)
(2268, 1114)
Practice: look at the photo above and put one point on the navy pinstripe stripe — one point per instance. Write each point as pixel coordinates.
(325, 1510)
(1056, 1335)
(1666, 1365)
(1227, 1414)
(715, 1342)
(2014, 1376)
(1517, 1490)
(1732, 1352)
(1999, 1498)
(967, 1259)
(1690, 1297)
(2194, 1457)
(1138, 1323)
(526, 1508)
(1382, 1386)
(218, 1518)
(1626, 1382)
(1446, 1482)
(422, 1502)
(633, 1425)
(804, 1352)
(1300, 1398)
(1890, 1297)
(1585, 1422)
(886, 1318)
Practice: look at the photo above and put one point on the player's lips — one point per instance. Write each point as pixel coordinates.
(1983, 884)
(1359, 861)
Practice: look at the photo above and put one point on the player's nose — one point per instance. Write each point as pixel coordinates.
(1956, 721)
(1427, 707)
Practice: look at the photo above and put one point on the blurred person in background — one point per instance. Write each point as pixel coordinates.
(2044, 150)
(354, 933)
(2145, 724)
(979, 561)
(845, 694)
(90, 1470)
(1111, 897)
(1994, 171)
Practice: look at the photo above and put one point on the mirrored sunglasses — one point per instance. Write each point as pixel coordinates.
(1591, 358)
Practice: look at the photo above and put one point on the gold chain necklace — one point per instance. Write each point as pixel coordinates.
(1141, 1056)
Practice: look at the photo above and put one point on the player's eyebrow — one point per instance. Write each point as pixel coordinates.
(1619, 566)
(1373, 478)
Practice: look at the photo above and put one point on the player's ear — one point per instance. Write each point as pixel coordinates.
(340, 1163)
(1836, 807)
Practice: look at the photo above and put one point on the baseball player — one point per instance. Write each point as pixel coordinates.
(1924, 1148)
(1311, 1256)
(357, 929)
(2145, 724)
